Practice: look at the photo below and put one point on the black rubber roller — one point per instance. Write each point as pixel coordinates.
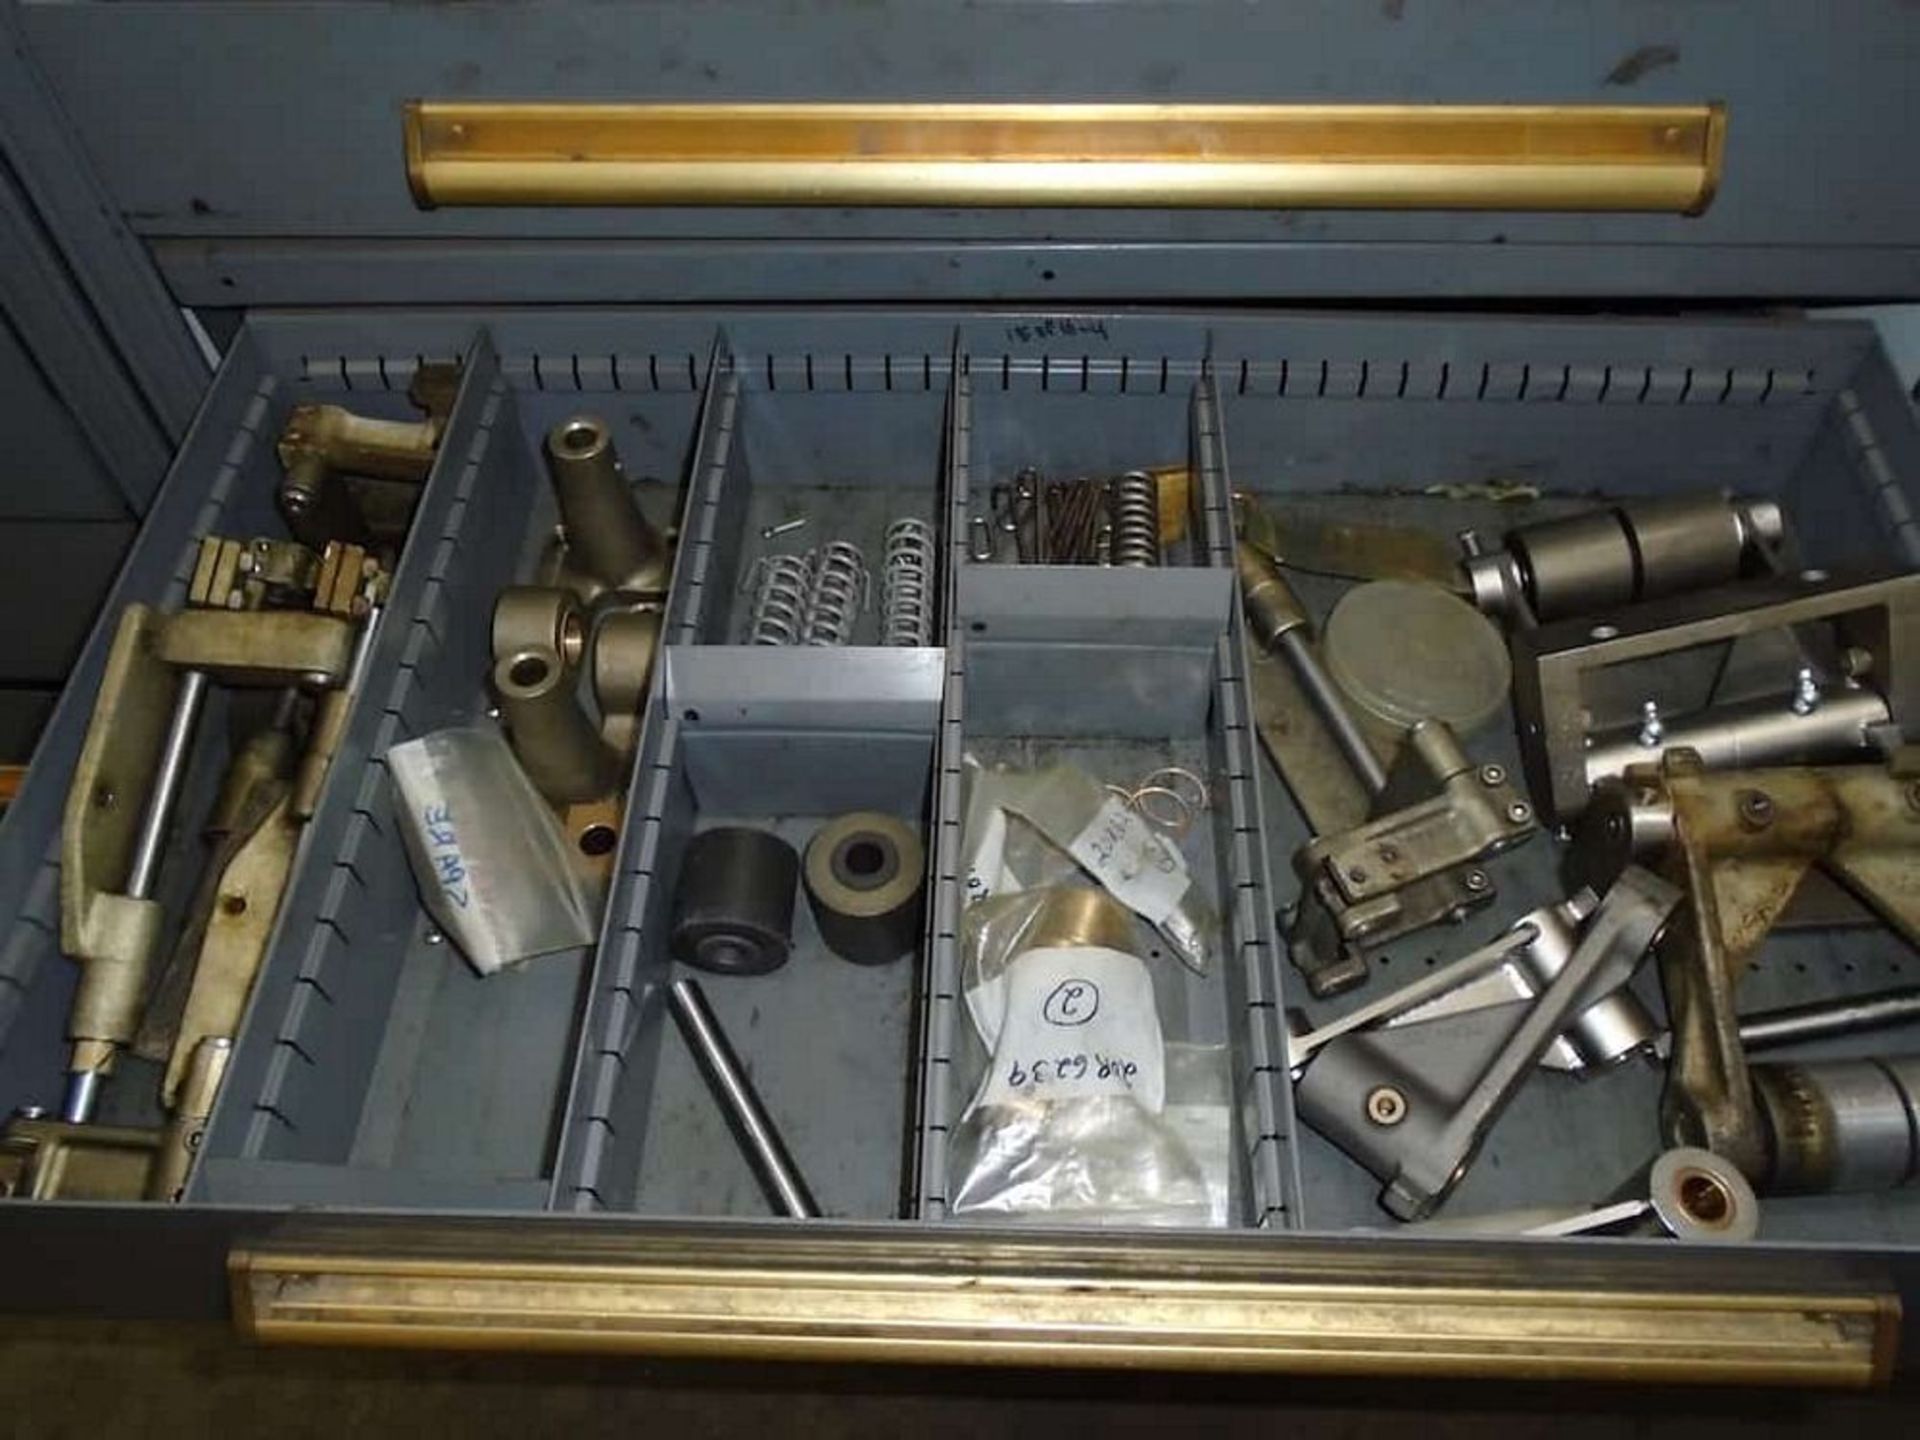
(733, 912)
(864, 874)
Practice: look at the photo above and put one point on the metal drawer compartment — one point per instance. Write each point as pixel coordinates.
(375, 1072)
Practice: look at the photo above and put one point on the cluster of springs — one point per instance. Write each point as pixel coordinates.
(1081, 522)
(817, 597)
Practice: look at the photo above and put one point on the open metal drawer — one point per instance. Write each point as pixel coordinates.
(406, 1153)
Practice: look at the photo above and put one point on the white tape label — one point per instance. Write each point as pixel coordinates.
(1076, 1023)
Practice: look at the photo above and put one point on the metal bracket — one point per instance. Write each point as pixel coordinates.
(1566, 698)
(1412, 865)
(1741, 843)
(1414, 1103)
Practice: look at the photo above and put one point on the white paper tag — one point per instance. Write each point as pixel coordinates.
(1077, 1023)
(986, 868)
(1138, 868)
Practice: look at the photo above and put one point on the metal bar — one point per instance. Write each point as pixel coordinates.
(759, 1138)
(1006, 1301)
(168, 774)
(1388, 157)
(1331, 707)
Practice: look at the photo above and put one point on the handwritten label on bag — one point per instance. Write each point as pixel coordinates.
(1137, 867)
(443, 854)
(1078, 1023)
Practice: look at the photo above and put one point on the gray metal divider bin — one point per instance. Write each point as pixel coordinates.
(401, 1143)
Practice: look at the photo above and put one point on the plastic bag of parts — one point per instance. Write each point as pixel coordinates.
(1085, 1113)
(487, 852)
(1079, 816)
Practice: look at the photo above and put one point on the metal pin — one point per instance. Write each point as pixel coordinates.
(785, 527)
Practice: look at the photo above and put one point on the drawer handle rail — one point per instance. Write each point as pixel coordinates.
(1664, 158)
(805, 1301)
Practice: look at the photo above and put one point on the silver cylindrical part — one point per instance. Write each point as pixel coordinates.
(1841, 1125)
(1699, 1196)
(1682, 544)
(759, 1140)
(82, 1097)
(1577, 565)
(1825, 1019)
(150, 840)
(1331, 707)
(1750, 736)
(1615, 1027)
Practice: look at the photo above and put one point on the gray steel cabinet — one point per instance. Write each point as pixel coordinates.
(407, 1153)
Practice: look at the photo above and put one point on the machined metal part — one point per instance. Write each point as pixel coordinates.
(1866, 631)
(1608, 1032)
(759, 1138)
(1685, 1194)
(1079, 916)
(592, 828)
(1279, 623)
(355, 478)
(864, 872)
(625, 645)
(528, 616)
(1376, 882)
(733, 908)
(1517, 965)
(330, 721)
(981, 547)
(187, 1125)
(1739, 737)
(1414, 1103)
(44, 1159)
(1741, 843)
(1840, 1125)
(250, 836)
(1825, 1019)
(607, 537)
(552, 737)
(1605, 559)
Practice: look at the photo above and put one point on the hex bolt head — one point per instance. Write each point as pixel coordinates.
(1493, 775)
(1519, 813)
(1386, 1105)
(1477, 881)
(1756, 809)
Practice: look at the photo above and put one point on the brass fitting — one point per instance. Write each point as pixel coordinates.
(608, 539)
(556, 743)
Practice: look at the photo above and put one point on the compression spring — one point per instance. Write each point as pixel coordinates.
(781, 586)
(906, 584)
(838, 595)
(1136, 519)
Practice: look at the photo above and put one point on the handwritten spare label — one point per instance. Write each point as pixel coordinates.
(1076, 1023)
(1137, 867)
(443, 853)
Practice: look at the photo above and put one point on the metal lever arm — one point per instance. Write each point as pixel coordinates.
(1414, 1104)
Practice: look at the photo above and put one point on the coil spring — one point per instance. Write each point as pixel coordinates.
(838, 595)
(906, 584)
(782, 586)
(1135, 504)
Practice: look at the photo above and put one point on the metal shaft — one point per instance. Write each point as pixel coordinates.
(761, 1142)
(1774, 1028)
(1821, 1020)
(1332, 710)
(167, 777)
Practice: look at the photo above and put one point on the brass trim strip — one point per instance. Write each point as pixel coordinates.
(810, 1306)
(1663, 158)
